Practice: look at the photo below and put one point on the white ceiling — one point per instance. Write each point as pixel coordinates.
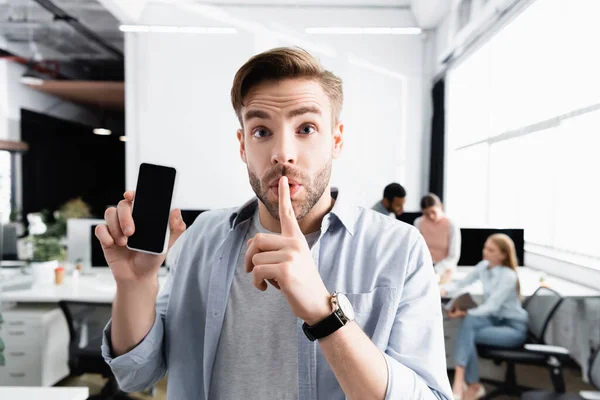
(319, 3)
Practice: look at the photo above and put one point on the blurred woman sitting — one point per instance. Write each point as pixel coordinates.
(499, 321)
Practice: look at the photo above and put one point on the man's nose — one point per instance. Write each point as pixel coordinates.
(285, 150)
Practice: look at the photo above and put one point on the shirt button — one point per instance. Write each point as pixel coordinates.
(330, 229)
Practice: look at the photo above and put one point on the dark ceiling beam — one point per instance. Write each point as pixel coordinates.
(62, 15)
(10, 145)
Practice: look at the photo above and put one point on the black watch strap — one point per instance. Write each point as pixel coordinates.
(326, 327)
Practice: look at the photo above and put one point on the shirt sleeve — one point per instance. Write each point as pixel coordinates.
(415, 355)
(145, 364)
(417, 223)
(473, 276)
(451, 261)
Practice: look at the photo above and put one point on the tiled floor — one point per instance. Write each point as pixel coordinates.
(530, 376)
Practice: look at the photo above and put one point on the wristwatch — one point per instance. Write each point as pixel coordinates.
(342, 314)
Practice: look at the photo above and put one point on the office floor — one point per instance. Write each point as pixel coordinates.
(530, 376)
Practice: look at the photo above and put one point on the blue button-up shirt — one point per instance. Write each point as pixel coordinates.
(382, 265)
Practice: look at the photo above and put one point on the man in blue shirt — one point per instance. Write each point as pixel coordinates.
(392, 203)
(296, 294)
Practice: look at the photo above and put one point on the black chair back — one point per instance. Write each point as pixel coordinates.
(86, 323)
(594, 375)
(541, 306)
(8, 242)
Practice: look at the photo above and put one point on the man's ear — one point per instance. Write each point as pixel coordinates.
(338, 139)
(240, 136)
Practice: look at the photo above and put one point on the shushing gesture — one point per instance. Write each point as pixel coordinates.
(286, 262)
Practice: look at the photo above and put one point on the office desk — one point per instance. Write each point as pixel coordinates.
(36, 333)
(529, 279)
(12, 264)
(576, 324)
(53, 393)
(97, 288)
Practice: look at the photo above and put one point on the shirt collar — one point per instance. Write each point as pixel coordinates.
(342, 211)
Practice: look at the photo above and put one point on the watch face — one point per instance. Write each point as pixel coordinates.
(345, 306)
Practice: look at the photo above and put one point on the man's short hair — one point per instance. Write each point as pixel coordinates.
(285, 63)
(394, 190)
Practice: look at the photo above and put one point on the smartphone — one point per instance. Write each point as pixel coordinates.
(151, 209)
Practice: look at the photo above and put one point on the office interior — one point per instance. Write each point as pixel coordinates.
(493, 105)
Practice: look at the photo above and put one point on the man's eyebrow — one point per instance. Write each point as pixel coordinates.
(304, 110)
(256, 114)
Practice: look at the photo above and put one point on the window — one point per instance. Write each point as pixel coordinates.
(523, 118)
(5, 184)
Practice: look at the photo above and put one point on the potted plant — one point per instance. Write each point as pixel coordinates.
(44, 248)
(74, 208)
(47, 253)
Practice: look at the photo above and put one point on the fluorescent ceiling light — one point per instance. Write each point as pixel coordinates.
(102, 131)
(123, 138)
(30, 80)
(216, 30)
(363, 31)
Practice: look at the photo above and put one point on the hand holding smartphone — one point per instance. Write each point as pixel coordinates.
(140, 230)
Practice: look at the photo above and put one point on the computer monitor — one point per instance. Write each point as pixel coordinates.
(189, 216)
(79, 236)
(409, 217)
(473, 239)
(97, 255)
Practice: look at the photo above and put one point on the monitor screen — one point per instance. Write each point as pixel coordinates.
(97, 259)
(409, 217)
(473, 239)
(189, 216)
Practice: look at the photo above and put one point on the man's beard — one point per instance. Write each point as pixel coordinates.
(314, 188)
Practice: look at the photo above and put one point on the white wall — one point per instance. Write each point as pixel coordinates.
(3, 101)
(179, 112)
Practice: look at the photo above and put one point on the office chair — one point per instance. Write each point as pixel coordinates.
(541, 306)
(593, 376)
(86, 323)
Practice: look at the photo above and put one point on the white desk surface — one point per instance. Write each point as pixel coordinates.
(12, 264)
(97, 288)
(44, 393)
(101, 288)
(529, 279)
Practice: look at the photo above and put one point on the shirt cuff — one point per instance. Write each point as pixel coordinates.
(404, 384)
(141, 353)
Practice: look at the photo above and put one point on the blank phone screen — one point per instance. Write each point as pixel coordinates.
(151, 207)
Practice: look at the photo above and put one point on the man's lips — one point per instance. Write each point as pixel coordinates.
(275, 182)
(294, 188)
